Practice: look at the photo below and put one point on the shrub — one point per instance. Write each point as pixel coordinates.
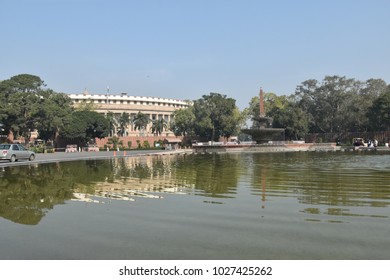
(146, 144)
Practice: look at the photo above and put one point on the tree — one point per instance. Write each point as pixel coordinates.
(112, 121)
(379, 112)
(293, 119)
(183, 122)
(51, 113)
(158, 126)
(20, 94)
(124, 121)
(25, 106)
(140, 121)
(216, 116)
(272, 104)
(86, 125)
(328, 104)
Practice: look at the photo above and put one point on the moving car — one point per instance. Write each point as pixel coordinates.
(14, 152)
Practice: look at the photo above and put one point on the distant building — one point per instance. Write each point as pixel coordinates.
(154, 108)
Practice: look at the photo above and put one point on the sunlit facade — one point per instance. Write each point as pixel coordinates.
(155, 108)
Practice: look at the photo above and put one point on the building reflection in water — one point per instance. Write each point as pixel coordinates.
(146, 177)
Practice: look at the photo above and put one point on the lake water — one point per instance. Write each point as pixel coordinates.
(311, 205)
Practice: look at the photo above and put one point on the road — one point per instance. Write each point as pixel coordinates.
(62, 156)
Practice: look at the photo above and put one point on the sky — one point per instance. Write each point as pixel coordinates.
(186, 49)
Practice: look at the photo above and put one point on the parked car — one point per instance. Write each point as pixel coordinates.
(91, 148)
(71, 149)
(359, 142)
(14, 152)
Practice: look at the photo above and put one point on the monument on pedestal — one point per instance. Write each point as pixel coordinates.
(263, 132)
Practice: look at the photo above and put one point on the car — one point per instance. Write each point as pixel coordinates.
(359, 142)
(14, 152)
(71, 149)
(92, 148)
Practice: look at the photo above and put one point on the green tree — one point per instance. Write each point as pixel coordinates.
(328, 104)
(25, 106)
(272, 105)
(140, 121)
(293, 119)
(19, 95)
(86, 125)
(183, 122)
(124, 121)
(51, 114)
(112, 121)
(379, 113)
(158, 126)
(216, 116)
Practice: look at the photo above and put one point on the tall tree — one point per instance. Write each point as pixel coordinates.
(25, 106)
(124, 121)
(112, 121)
(86, 125)
(272, 104)
(216, 116)
(51, 114)
(379, 112)
(158, 126)
(293, 119)
(328, 103)
(140, 121)
(183, 122)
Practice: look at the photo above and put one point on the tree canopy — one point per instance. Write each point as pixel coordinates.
(26, 105)
(86, 125)
(216, 116)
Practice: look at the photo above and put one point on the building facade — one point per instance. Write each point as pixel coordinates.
(155, 108)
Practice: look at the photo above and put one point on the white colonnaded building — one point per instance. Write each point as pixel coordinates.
(155, 108)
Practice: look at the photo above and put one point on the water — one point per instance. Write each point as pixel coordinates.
(222, 206)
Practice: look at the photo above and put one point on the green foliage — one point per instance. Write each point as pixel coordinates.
(338, 104)
(25, 105)
(124, 121)
(183, 122)
(129, 144)
(140, 121)
(379, 112)
(293, 119)
(146, 145)
(112, 121)
(159, 144)
(158, 126)
(114, 141)
(216, 116)
(86, 125)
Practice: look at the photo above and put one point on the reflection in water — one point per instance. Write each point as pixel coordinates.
(151, 177)
(329, 185)
(27, 193)
(216, 206)
(334, 183)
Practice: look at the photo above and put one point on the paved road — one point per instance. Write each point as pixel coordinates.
(62, 156)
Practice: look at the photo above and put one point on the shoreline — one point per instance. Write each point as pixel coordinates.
(63, 157)
(43, 158)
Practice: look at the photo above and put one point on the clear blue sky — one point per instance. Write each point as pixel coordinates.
(185, 49)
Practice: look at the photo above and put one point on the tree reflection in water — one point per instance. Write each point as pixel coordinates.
(324, 184)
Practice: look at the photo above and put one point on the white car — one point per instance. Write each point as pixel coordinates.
(14, 152)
